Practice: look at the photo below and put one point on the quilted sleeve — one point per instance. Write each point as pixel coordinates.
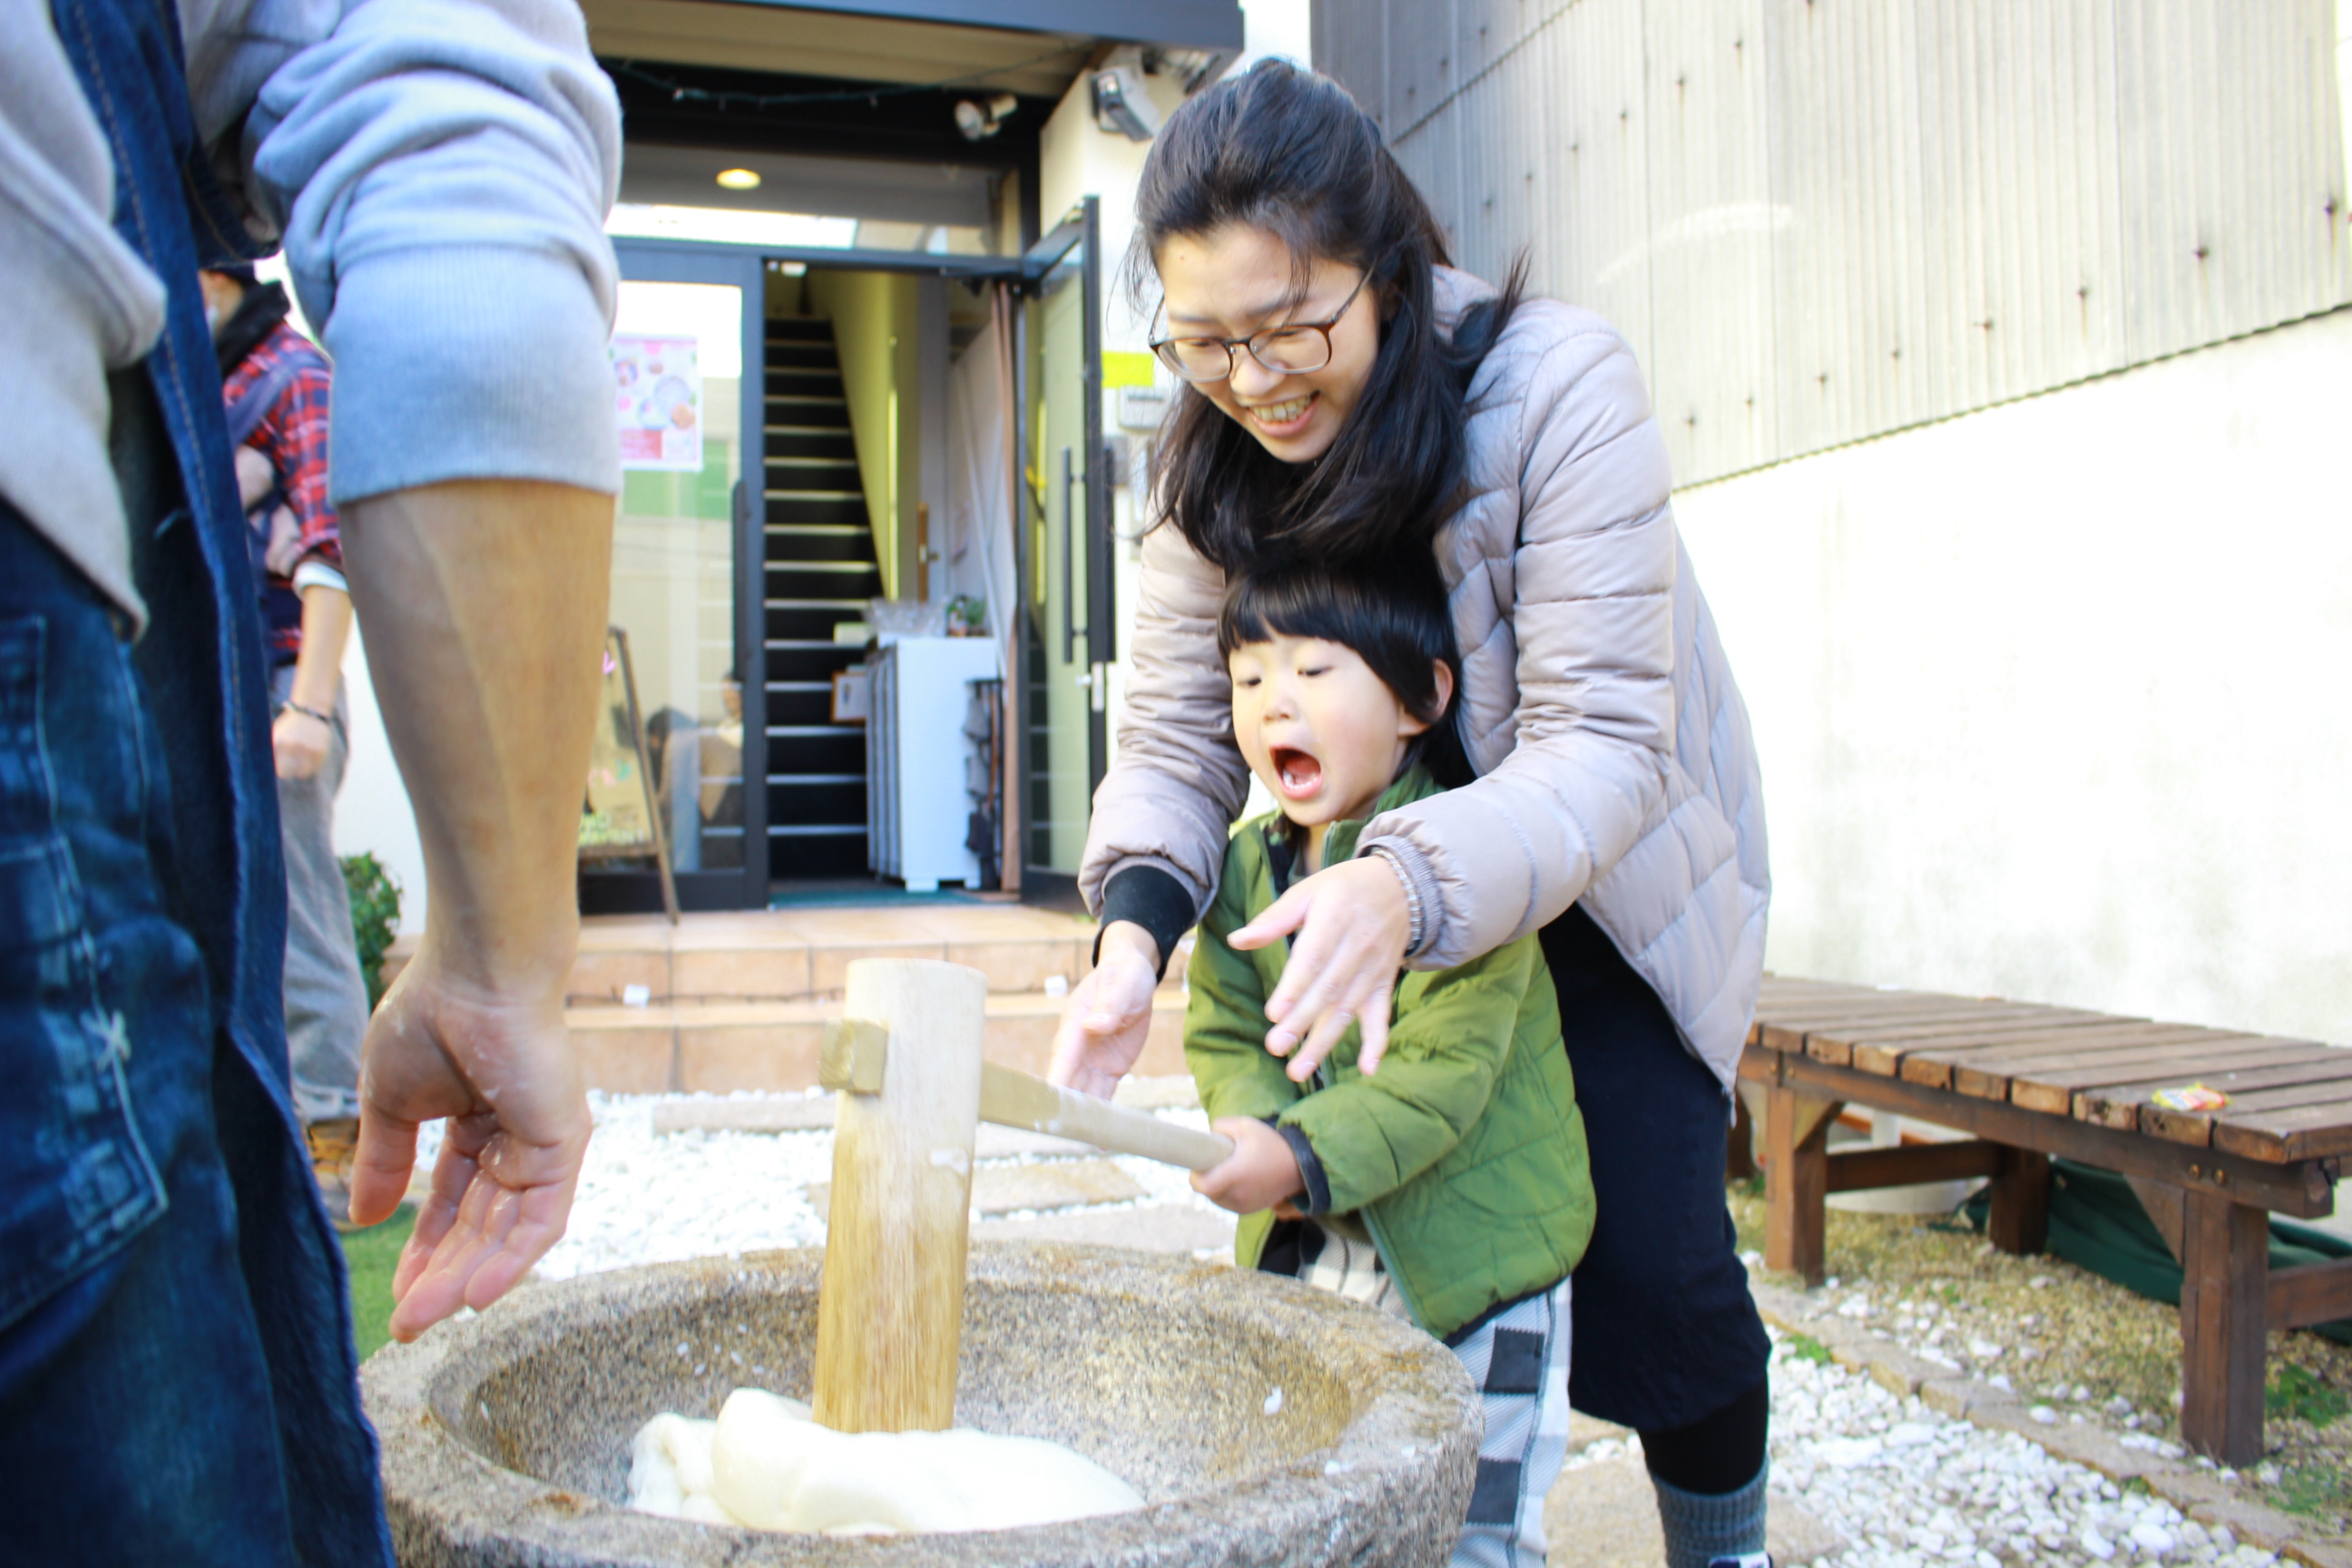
(1592, 617)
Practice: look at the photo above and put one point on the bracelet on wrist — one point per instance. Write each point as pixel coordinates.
(307, 713)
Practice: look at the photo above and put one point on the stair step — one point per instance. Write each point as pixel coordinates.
(818, 570)
(786, 353)
(801, 955)
(848, 511)
(812, 798)
(816, 749)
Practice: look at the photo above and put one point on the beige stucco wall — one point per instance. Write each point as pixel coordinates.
(2051, 696)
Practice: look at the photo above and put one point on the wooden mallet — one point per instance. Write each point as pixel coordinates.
(912, 1090)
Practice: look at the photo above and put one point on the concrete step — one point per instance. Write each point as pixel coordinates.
(799, 954)
(772, 1046)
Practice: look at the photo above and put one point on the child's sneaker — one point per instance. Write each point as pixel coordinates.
(335, 1147)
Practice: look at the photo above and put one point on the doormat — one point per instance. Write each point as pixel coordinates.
(847, 892)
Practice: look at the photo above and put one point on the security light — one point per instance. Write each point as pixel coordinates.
(978, 123)
(1122, 107)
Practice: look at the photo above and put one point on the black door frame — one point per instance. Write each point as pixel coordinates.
(616, 891)
(746, 266)
(1081, 226)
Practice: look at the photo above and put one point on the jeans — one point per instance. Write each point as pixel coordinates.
(177, 1380)
(137, 1414)
(326, 999)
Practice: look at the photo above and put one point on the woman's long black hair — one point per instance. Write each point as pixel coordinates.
(1287, 150)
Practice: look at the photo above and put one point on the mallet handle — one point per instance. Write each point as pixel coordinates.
(856, 1057)
(1013, 1098)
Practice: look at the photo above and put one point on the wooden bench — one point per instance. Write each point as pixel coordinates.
(2028, 1082)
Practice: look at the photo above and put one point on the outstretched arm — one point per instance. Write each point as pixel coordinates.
(483, 603)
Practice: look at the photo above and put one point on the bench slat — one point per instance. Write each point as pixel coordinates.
(1786, 1029)
(2089, 1068)
(1838, 1043)
(2052, 1089)
(1934, 1068)
(2278, 1137)
(2165, 1048)
(2123, 1105)
(1885, 1052)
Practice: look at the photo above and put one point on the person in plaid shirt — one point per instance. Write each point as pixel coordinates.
(275, 383)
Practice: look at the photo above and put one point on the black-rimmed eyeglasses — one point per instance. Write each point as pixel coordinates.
(1293, 349)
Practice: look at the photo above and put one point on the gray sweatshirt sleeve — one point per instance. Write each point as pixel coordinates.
(440, 170)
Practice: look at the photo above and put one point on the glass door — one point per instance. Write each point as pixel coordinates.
(685, 543)
(1066, 555)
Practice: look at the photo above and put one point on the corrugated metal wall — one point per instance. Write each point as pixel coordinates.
(1819, 220)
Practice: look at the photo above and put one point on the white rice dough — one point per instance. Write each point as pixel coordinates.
(767, 1464)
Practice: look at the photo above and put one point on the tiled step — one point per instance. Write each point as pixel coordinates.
(794, 954)
(718, 1049)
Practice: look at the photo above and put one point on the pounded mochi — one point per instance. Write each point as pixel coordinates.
(766, 1463)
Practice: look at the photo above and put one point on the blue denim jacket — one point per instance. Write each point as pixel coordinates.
(83, 1171)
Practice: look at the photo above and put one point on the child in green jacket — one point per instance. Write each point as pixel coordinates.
(1449, 1185)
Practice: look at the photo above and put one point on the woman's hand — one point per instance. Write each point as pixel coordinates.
(297, 743)
(1260, 1174)
(1108, 1020)
(1352, 925)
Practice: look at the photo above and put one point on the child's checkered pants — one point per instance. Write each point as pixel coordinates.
(1519, 1359)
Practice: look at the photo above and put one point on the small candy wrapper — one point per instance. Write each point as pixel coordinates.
(2190, 1096)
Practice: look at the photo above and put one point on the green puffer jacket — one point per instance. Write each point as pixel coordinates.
(1464, 1155)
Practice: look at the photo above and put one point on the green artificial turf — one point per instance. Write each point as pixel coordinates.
(371, 1255)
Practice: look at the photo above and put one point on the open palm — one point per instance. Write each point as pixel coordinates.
(500, 1069)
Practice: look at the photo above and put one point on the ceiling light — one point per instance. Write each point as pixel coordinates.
(738, 179)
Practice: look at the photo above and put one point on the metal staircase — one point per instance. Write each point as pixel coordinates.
(819, 570)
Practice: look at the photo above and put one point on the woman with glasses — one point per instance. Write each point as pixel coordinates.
(1351, 396)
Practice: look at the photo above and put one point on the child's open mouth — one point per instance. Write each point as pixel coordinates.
(1300, 774)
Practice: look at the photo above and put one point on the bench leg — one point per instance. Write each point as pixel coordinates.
(1796, 1180)
(2224, 1319)
(2020, 1221)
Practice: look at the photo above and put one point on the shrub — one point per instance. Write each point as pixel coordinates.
(375, 916)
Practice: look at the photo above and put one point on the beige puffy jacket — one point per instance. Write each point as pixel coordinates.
(1614, 757)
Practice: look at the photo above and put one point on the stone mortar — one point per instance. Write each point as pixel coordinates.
(506, 1438)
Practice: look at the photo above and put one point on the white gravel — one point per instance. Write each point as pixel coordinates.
(1908, 1486)
(1905, 1485)
(648, 1199)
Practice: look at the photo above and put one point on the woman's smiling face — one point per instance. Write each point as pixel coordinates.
(1236, 280)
